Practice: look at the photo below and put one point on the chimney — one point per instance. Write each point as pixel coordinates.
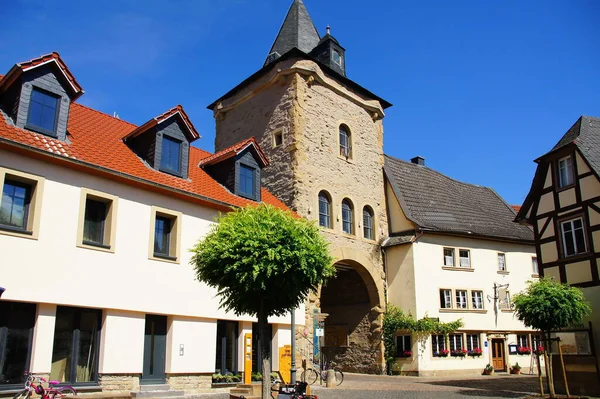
(418, 160)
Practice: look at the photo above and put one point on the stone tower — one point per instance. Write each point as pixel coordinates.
(323, 135)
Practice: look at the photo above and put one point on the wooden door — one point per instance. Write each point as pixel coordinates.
(498, 355)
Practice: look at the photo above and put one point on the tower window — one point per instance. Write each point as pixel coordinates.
(345, 144)
(336, 57)
(368, 223)
(324, 210)
(347, 217)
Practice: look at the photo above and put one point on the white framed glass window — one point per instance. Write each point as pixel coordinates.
(573, 237)
(438, 344)
(465, 257)
(368, 223)
(345, 144)
(456, 341)
(403, 345)
(477, 299)
(472, 341)
(565, 172)
(523, 340)
(347, 217)
(503, 298)
(461, 299)
(449, 257)
(324, 210)
(501, 262)
(446, 299)
(534, 265)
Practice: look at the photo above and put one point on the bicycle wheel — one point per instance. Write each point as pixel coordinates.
(24, 394)
(310, 376)
(339, 376)
(66, 390)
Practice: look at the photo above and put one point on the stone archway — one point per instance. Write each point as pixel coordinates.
(354, 302)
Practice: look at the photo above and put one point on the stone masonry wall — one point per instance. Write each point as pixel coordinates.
(297, 98)
(190, 383)
(119, 382)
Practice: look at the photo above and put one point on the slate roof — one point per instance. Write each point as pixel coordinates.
(297, 30)
(435, 202)
(585, 134)
(234, 150)
(95, 145)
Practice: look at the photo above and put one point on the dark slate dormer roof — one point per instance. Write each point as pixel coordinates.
(49, 59)
(177, 111)
(437, 203)
(297, 30)
(235, 150)
(583, 135)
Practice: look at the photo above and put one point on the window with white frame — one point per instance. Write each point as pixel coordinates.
(438, 344)
(537, 341)
(503, 298)
(403, 345)
(565, 172)
(461, 299)
(456, 342)
(347, 217)
(465, 257)
(523, 340)
(477, 299)
(472, 341)
(534, 265)
(449, 257)
(573, 237)
(446, 299)
(501, 262)
(345, 143)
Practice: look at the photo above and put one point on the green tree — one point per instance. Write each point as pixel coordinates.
(263, 262)
(546, 305)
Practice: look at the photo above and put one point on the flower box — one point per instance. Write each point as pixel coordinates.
(475, 352)
(442, 353)
(524, 350)
(459, 353)
(406, 354)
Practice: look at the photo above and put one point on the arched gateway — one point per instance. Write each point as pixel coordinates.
(353, 302)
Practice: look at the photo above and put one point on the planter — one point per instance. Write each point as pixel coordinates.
(487, 372)
(514, 371)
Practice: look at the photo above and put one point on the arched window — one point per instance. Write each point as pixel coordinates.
(345, 143)
(347, 217)
(324, 210)
(368, 223)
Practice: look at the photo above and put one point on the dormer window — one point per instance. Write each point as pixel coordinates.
(336, 57)
(43, 112)
(247, 181)
(170, 160)
(565, 172)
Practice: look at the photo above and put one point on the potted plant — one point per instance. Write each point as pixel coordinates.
(516, 369)
(524, 350)
(442, 353)
(475, 352)
(488, 370)
(406, 353)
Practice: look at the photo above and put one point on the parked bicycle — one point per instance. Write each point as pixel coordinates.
(291, 391)
(311, 375)
(34, 384)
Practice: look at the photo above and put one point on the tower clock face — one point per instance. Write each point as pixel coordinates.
(336, 57)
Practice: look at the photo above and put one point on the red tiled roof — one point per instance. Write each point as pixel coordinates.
(175, 111)
(517, 208)
(234, 150)
(21, 67)
(96, 146)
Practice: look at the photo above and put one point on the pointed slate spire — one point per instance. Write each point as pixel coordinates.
(297, 30)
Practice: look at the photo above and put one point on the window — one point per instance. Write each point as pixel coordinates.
(345, 146)
(336, 57)
(20, 204)
(247, 181)
(501, 262)
(324, 210)
(368, 223)
(523, 340)
(534, 266)
(16, 331)
(97, 220)
(403, 346)
(438, 344)
(472, 341)
(565, 172)
(477, 299)
(75, 350)
(347, 218)
(43, 112)
(14, 211)
(446, 299)
(573, 237)
(277, 138)
(537, 341)
(170, 159)
(465, 258)
(456, 342)
(461, 299)
(504, 298)
(449, 257)
(165, 235)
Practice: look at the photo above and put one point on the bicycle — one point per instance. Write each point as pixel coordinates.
(52, 392)
(291, 391)
(310, 375)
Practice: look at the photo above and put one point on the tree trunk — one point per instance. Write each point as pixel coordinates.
(265, 344)
(548, 361)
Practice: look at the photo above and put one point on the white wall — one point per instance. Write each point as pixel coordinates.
(198, 338)
(122, 342)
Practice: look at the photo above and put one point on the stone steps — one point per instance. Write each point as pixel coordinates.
(157, 391)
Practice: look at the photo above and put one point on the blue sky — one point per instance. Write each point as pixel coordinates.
(480, 88)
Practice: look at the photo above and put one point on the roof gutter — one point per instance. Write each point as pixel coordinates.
(99, 170)
(480, 236)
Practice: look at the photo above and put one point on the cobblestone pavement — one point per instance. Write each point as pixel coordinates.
(361, 386)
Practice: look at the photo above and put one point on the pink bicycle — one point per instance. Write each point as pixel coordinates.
(34, 384)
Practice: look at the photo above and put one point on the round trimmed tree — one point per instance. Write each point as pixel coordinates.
(263, 261)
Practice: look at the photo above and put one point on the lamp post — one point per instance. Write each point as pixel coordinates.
(2, 291)
(293, 365)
